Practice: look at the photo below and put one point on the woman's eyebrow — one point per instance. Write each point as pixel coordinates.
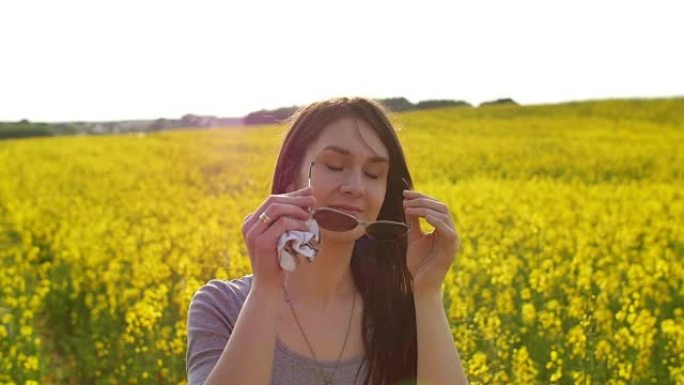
(342, 151)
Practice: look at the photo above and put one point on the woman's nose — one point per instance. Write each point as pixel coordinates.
(353, 184)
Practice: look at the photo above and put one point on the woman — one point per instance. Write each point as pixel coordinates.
(368, 309)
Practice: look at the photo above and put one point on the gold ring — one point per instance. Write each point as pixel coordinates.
(265, 218)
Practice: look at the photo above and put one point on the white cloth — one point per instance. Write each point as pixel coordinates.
(294, 245)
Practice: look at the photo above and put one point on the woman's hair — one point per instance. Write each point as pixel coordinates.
(379, 268)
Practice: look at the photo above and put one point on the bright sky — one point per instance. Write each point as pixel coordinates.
(138, 59)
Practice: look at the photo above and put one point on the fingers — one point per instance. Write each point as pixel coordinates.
(441, 225)
(274, 211)
(306, 191)
(420, 205)
(266, 241)
(282, 225)
(273, 206)
(414, 225)
(414, 199)
(423, 212)
(412, 194)
(413, 213)
(285, 212)
(273, 229)
(262, 246)
(416, 203)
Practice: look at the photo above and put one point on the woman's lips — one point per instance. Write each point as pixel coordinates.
(346, 209)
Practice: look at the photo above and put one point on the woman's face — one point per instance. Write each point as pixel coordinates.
(350, 170)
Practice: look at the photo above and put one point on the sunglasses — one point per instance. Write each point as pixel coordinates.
(336, 220)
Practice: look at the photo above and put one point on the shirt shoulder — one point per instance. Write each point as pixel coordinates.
(222, 299)
(212, 314)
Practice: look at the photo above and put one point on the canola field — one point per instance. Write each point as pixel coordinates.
(571, 219)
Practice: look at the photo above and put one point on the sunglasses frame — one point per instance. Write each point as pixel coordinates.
(363, 223)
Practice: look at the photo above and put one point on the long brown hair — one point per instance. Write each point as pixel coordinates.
(379, 268)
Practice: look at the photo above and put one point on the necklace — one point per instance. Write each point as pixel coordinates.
(327, 380)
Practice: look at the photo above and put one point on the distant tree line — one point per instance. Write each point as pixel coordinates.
(194, 121)
(26, 129)
(498, 102)
(269, 116)
(398, 104)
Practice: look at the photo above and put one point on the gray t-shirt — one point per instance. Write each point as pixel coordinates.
(212, 315)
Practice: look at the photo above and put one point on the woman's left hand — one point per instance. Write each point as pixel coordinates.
(429, 256)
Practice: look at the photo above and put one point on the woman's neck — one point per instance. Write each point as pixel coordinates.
(326, 281)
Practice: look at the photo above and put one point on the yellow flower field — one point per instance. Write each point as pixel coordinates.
(571, 219)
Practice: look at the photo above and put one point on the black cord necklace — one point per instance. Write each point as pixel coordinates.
(327, 380)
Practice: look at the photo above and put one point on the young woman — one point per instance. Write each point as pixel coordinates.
(368, 309)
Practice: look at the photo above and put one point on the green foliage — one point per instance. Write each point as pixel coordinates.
(570, 217)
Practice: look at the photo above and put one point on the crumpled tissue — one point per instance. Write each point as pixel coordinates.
(295, 245)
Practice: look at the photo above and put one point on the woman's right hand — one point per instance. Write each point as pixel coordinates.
(288, 211)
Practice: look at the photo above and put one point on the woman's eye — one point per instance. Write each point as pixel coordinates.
(333, 168)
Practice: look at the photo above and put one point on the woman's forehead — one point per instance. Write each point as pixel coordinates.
(351, 137)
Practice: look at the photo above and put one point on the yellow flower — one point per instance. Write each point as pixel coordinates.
(31, 363)
(528, 313)
(26, 330)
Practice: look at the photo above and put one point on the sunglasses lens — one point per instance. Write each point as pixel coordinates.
(386, 231)
(334, 221)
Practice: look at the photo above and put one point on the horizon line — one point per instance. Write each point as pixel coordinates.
(472, 105)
